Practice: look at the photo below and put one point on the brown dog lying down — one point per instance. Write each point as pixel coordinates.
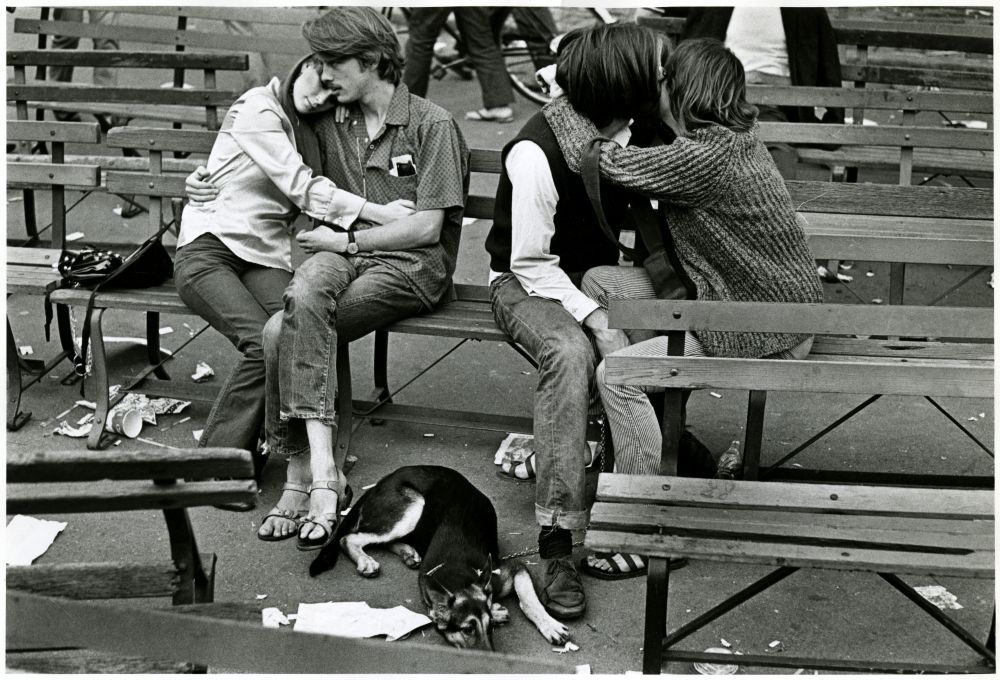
(435, 519)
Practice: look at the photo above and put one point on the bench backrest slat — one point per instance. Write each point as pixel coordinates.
(889, 199)
(194, 141)
(867, 98)
(864, 135)
(129, 95)
(82, 466)
(53, 174)
(162, 36)
(145, 184)
(820, 318)
(792, 497)
(290, 16)
(43, 130)
(129, 59)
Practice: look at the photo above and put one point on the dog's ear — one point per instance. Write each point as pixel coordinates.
(439, 601)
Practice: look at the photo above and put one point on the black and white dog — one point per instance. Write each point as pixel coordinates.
(435, 519)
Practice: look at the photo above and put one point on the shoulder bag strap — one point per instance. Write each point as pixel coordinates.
(591, 174)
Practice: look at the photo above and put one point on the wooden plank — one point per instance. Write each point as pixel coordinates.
(890, 199)
(820, 318)
(88, 581)
(868, 98)
(976, 565)
(129, 59)
(472, 420)
(742, 524)
(84, 133)
(449, 328)
(34, 256)
(930, 76)
(54, 174)
(123, 95)
(826, 345)
(472, 292)
(198, 141)
(236, 645)
(160, 36)
(115, 496)
(290, 16)
(484, 160)
(154, 300)
(942, 36)
(127, 163)
(967, 162)
(145, 185)
(480, 207)
(840, 375)
(865, 135)
(64, 661)
(883, 501)
(164, 112)
(146, 463)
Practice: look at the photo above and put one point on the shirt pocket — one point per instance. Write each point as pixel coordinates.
(401, 187)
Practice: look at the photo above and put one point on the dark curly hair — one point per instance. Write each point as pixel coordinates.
(361, 33)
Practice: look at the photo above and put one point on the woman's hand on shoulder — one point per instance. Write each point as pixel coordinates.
(197, 189)
(340, 113)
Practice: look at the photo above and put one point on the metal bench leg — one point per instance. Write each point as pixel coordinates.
(673, 428)
(754, 433)
(153, 345)
(196, 584)
(15, 417)
(380, 373)
(345, 413)
(65, 329)
(657, 587)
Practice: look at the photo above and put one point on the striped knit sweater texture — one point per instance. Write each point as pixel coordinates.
(736, 231)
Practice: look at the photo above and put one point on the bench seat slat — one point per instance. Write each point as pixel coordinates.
(975, 565)
(145, 464)
(116, 496)
(835, 374)
(161, 299)
(795, 527)
(90, 580)
(793, 497)
(64, 661)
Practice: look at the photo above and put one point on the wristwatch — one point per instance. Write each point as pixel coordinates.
(352, 245)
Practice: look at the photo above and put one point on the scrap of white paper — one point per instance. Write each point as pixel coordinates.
(272, 617)
(357, 620)
(29, 537)
(939, 596)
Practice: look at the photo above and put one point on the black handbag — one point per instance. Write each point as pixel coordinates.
(658, 258)
(147, 266)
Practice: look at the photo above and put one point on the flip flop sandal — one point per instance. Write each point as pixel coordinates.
(623, 566)
(506, 471)
(329, 521)
(483, 116)
(283, 513)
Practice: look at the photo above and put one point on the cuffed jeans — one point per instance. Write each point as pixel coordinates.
(236, 298)
(566, 361)
(332, 299)
(481, 48)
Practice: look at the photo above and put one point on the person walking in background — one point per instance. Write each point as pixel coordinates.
(103, 76)
(482, 50)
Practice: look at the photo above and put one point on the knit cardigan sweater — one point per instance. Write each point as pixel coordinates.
(735, 229)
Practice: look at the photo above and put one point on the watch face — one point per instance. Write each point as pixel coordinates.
(352, 248)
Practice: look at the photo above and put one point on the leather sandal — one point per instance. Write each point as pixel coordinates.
(284, 513)
(328, 521)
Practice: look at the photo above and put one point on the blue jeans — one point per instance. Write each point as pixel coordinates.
(332, 299)
(566, 362)
(236, 298)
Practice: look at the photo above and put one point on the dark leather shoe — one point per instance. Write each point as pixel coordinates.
(562, 589)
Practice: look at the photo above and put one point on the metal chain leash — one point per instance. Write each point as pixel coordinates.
(600, 468)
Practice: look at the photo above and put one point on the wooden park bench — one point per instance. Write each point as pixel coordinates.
(885, 530)
(70, 482)
(946, 56)
(31, 270)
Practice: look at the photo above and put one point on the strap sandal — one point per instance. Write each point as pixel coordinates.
(623, 566)
(285, 514)
(327, 521)
(525, 470)
(502, 114)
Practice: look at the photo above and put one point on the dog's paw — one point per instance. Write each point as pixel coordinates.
(553, 631)
(408, 554)
(499, 614)
(368, 567)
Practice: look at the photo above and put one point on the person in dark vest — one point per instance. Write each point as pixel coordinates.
(544, 237)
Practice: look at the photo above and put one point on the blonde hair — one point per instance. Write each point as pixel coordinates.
(706, 85)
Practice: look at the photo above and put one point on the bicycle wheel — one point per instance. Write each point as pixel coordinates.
(526, 38)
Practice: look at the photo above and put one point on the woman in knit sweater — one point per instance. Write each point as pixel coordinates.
(732, 221)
